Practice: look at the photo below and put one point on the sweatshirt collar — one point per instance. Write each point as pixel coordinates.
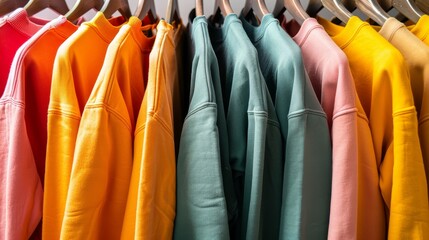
(19, 20)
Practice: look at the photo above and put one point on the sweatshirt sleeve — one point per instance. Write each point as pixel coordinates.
(20, 186)
(307, 170)
(201, 200)
(63, 125)
(402, 177)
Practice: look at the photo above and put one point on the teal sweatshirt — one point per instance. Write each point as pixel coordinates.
(253, 131)
(305, 133)
(206, 199)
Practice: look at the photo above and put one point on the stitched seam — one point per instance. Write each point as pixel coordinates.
(139, 129)
(264, 31)
(99, 33)
(363, 116)
(306, 111)
(63, 113)
(158, 71)
(273, 123)
(258, 113)
(392, 34)
(199, 108)
(423, 120)
(163, 124)
(346, 44)
(304, 39)
(111, 110)
(114, 66)
(206, 66)
(12, 101)
(344, 112)
(404, 111)
(57, 107)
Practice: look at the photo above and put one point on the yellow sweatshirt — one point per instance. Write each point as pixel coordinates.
(151, 205)
(383, 84)
(102, 162)
(416, 55)
(421, 87)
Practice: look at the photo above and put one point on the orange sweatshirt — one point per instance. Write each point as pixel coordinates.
(76, 67)
(102, 161)
(151, 206)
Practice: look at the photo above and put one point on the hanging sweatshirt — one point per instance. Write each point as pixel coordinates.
(15, 29)
(151, 204)
(203, 170)
(416, 55)
(382, 81)
(103, 156)
(251, 122)
(76, 67)
(23, 108)
(305, 141)
(419, 62)
(329, 72)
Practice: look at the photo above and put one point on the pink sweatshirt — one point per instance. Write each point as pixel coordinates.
(329, 72)
(15, 29)
(20, 184)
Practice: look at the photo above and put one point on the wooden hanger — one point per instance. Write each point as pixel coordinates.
(221, 9)
(83, 6)
(337, 8)
(222, 6)
(35, 6)
(422, 4)
(7, 6)
(373, 10)
(111, 6)
(199, 8)
(406, 7)
(146, 8)
(294, 7)
(258, 7)
(172, 11)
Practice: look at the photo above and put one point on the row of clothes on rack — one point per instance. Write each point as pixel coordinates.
(231, 128)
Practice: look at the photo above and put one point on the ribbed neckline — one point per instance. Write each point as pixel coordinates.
(389, 28)
(256, 32)
(63, 27)
(105, 27)
(342, 36)
(145, 43)
(19, 20)
(304, 31)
